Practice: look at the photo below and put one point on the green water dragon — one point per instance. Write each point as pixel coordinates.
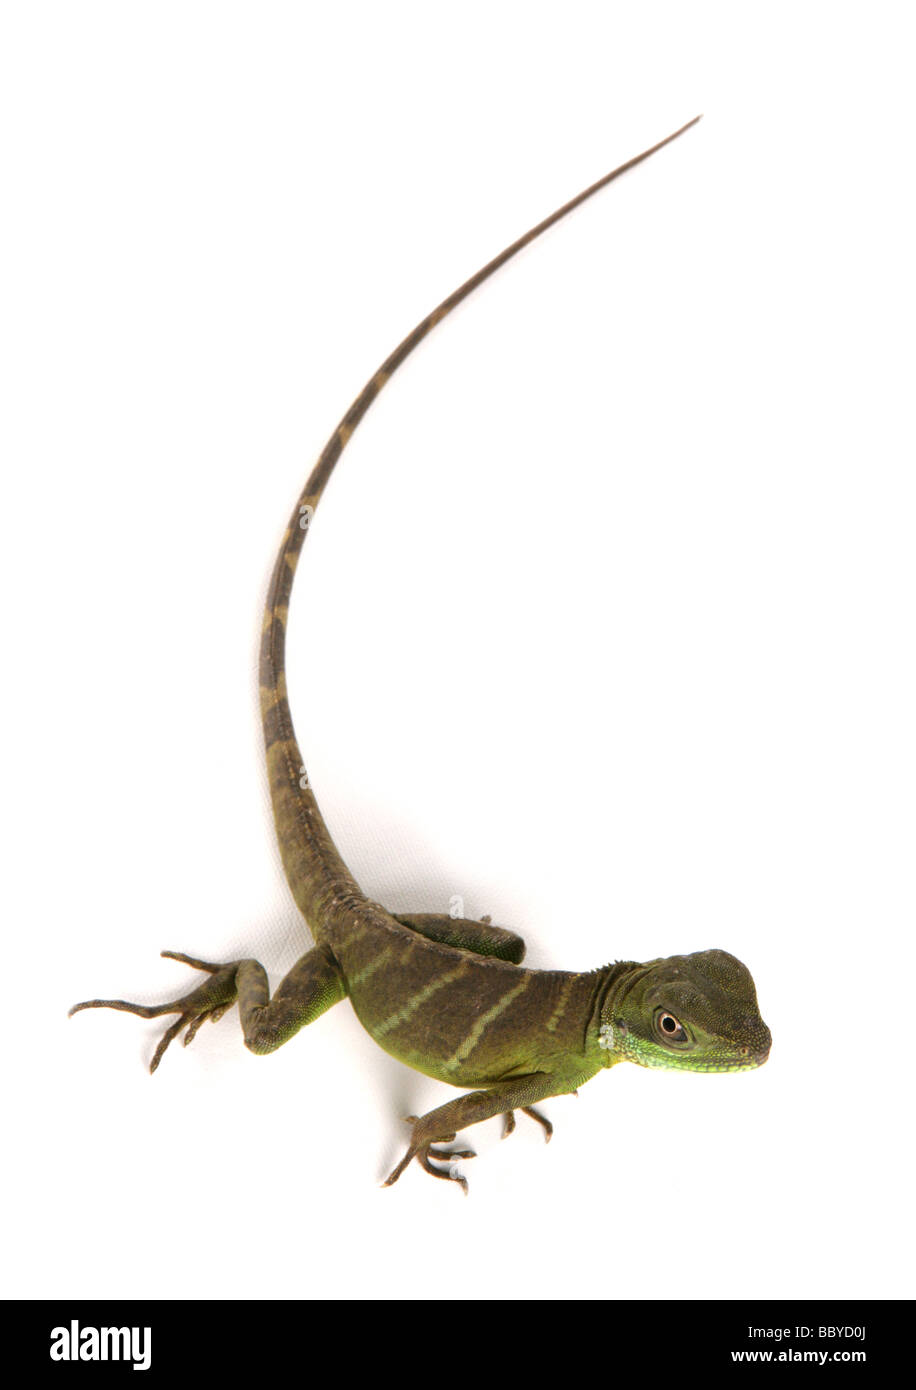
(449, 996)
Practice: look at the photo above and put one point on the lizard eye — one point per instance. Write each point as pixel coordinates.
(670, 1029)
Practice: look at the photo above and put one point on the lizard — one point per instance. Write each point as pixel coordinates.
(446, 995)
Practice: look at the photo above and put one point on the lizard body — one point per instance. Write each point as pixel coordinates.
(450, 997)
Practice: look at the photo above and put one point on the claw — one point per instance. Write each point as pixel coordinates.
(143, 1010)
(424, 1153)
(214, 1015)
(542, 1120)
(206, 965)
(168, 1036)
(446, 1173)
(207, 1001)
(192, 1027)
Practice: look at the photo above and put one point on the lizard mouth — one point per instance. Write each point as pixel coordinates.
(762, 1051)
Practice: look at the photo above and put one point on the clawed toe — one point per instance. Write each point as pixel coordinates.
(195, 964)
(447, 1173)
(214, 1015)
(168, 1036)
(509, 1121)
(209, 1000)
(425, 1153)
(542, 1120)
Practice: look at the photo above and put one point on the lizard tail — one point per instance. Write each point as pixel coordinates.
(320, 881)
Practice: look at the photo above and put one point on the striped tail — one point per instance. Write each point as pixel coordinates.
(320, 881)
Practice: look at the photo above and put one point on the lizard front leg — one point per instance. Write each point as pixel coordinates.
(310, 988)
(440, 1126)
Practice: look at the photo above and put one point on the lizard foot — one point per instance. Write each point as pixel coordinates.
(424, 1153)
(509, 1119)
(209, 1000)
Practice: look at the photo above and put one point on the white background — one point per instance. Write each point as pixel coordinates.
(605, 624)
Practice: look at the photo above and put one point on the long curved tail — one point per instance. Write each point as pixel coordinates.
(320, 881)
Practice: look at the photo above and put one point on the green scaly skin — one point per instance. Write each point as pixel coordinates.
(447, 996)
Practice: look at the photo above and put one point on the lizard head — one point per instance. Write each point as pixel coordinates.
(691, 1013)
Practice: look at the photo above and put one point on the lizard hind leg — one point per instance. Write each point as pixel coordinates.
(311, 987)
